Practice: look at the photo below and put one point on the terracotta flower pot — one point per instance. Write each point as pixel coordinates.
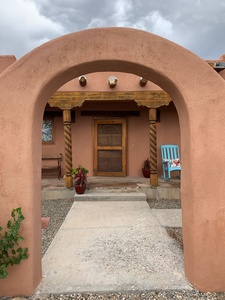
(146, 173)
(44, 222)
(80, 189)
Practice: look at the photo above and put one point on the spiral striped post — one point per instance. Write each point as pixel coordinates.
(153, 147)
(68, 147)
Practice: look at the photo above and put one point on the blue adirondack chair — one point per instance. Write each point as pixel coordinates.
(170, 160)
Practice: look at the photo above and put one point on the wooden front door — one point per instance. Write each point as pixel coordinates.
(110, 147)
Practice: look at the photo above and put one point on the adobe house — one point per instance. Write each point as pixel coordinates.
(197, 92)
(110, 125)
(101, 112)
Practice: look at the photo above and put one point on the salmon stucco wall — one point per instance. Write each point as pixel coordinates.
(6, 61)
(198, 95)
(98, 81)
(168, 132)
(57, 145)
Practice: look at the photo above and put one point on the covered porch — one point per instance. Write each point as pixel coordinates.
(67, 101)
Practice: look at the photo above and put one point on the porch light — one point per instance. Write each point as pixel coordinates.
(143, 81)
(112, 81)
(82, 80)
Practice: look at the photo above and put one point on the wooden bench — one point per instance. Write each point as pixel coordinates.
(53, 169)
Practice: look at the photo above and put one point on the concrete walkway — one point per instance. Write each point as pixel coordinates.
(113, 246)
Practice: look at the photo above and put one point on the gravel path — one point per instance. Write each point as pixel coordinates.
(57, 211)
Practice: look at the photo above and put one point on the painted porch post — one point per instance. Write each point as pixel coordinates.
(153, 147)
(68, 147)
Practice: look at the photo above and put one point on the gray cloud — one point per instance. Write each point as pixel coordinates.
(197, 25)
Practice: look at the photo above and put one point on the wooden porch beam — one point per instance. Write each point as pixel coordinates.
(69, 100)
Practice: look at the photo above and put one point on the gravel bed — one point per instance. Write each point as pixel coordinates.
(164, 203)
(176, 234)
(57, 211)
(145, 295)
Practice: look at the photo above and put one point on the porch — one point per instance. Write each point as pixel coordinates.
(55, 189)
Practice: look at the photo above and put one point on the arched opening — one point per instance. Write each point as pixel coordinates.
(197, 93)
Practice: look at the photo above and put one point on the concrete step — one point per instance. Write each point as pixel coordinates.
(110, 195)
(151, 193)
(57, 193)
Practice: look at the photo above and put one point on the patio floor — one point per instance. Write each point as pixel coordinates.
(114, 182)
(53, 188)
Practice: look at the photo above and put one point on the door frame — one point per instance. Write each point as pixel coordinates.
(123, 147)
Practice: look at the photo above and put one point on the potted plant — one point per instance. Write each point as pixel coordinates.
(80, 179)
(146, 168)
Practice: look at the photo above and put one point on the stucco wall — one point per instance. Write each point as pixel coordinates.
(98, 81)
(6, 61)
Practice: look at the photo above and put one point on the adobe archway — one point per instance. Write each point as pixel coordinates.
(198, 93)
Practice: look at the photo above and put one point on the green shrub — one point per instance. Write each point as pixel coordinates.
(10, 251)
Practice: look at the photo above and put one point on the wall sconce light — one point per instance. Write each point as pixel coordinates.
(143, 81)
(112, 81)
(82, 80)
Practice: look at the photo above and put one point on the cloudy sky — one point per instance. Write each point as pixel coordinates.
(198, 25)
